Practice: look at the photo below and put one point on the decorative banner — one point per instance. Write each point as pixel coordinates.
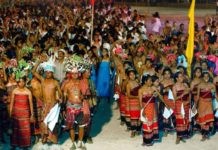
(191, 31)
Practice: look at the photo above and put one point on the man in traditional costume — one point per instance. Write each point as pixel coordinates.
(77, 110)
(51, 93)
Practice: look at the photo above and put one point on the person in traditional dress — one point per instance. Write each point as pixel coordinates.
(147, 68)
(147, 94)
(38, 103)
(103, 77)
(11, 84)
(167, 83)
(21, 113)
(88, 103)
(75, 117)
(204, 105)
(182, 96)
(132, 88)
(52, 94)
(197, 79)
(124, 105)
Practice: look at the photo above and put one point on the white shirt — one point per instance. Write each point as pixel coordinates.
(59, 73)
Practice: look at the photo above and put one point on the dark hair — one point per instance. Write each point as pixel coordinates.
(156, 15)
(185, 70)
(145, 78)
(197, 68)
(176, 75)
(24, 78)
(207, 72)
(129, 70)
(154, 78)
(167, 69)
(158, 67)
(204, 61)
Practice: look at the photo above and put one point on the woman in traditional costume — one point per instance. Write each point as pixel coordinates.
(103, 76)
(167, 83)
(147, 94)
(134, 105)
(204, 105)
(21, 112)
(182, 96)
(11, 84)
(194, 89)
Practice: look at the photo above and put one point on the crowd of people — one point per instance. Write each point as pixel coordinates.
(47, 59)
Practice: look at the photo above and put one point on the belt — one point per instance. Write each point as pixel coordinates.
(76, 106)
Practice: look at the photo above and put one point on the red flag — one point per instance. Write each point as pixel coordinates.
(92, 2)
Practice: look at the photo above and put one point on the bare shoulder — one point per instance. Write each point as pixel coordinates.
(140, 90)
(15, 90)
(56, 82)
(28, 91)
(201, 85)
(67, 86)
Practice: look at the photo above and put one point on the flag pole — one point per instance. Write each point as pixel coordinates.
(92, 23)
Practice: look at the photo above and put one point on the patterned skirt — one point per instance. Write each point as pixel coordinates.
(21, 132)
(182, 122)
(205, 113)
(150, 128)
(134, 109)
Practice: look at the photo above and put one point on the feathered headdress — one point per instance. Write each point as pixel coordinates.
(49, 65)
(22, 69)
(76, 63)
(27, 50)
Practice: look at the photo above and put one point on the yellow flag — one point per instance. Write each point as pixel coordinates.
(191, 31)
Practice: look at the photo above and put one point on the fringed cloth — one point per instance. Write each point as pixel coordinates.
(74, 115)
(205, 110)
(21, 135)
(150, 128)
(182, 122)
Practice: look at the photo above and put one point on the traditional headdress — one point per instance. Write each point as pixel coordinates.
(171, 58)
(49, 65)
(21, 70)
(76, 64)
(27, 50)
